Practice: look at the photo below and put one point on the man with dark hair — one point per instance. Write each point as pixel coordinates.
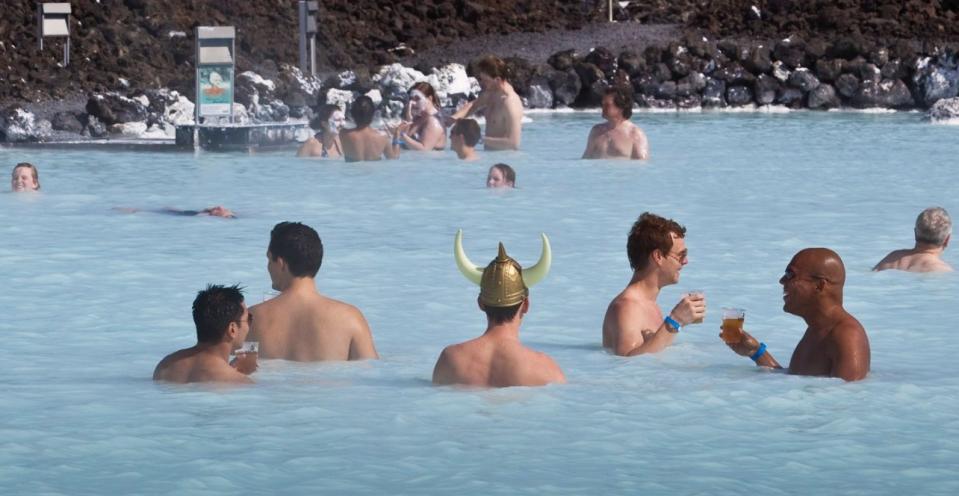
(497, 358)
(222, 324)
(932, 232)
(835, 343)
(363, 143)
(634, 324)
(464, 135)
(301, 324)
(617, 137)
(499, 103)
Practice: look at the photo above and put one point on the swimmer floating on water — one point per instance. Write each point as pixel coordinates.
(501, 176)
(216, 211)
(24, 177)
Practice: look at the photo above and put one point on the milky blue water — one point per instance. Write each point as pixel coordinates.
(94, 298)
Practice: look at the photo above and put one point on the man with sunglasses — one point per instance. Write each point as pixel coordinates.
(835, 343)
(634, 323)
(222, 324)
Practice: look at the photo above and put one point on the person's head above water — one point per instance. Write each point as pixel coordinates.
(218, 312)
(654, 239)
(328, 118)
(814, 276)
(362, 111)
(467, 130)
(422, 95)
(491, 69)
(933, 227)
(295, 251)
(617, 103)
(501, 176)
(24, 177)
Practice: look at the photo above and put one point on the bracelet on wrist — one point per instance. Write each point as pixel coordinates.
(671, 323)
(759, 352)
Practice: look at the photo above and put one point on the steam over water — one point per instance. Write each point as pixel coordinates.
(94, 298)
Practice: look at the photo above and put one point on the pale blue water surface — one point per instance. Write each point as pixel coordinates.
(94, 298)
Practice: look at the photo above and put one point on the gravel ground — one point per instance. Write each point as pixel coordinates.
(537, 47)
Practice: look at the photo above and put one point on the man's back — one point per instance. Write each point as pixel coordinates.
(495, 362)
(364, 144)
(912, 261)
(192, 365)
(307, 326)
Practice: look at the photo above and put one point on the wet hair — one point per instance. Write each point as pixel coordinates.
(362, 111)
(493, 67)
(426, 89)
(499, 315)
(469, 129)
(299, 245)
(323, 113)
(622, 98)
(649, 233)
(933, 226)
(213, 310)
(33, 169)
(508, 173)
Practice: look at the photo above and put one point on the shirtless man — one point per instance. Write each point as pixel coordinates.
(499, 103)
(933, 230)
(498, 358)
(301, 324)
(835, 343)
(617, 137)
(364, 143)
(222, 323)
(634, 324)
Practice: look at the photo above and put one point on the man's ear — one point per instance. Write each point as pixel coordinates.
(946, 242)
(480, 304)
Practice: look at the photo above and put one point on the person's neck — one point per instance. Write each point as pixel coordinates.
(822, 319)
(300, 285)
(466, 153)
(503, 330)
(615, 122)
(927, 248)
(646, 283)
(219, 350)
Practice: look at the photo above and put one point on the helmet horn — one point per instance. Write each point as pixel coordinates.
(467, 268)
(536, 273)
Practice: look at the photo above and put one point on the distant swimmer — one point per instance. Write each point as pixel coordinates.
(364, 143)
(216, 211)
(835, 343)
(617, 137)
(24, 177)
(222, 324)
(301, 324)
(933, 230)
(424, 129)
(464, 135)
(634, 324)
(499, 103)
(501, 176)
(325, 143)
(498, 358)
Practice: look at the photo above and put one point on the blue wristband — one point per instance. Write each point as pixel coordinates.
(398, 142)
(671, 322)
(759, 353)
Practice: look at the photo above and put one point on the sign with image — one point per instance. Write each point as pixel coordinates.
(215, 89)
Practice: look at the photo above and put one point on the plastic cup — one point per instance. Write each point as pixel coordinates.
(733, 319)
(697, 293)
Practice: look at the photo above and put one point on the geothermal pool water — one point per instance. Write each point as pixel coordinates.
(94, 298)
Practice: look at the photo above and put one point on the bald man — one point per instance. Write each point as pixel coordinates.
(835, 343)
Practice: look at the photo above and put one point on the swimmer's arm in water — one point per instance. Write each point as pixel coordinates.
(748, 346)
(361, 343)
(590, 151)
(640, 145)
(850, 355)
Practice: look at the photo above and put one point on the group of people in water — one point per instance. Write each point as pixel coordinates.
(302, 324)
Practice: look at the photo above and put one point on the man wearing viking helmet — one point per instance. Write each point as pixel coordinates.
(634, 324)
(497, 358)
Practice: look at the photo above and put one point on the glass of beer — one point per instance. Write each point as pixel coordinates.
(733, 319)
(698, 294)
(248, 347)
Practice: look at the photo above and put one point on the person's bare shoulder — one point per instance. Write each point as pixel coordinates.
(891, 260)
(851, 348)
(550, 371)
(164, 369)
(445, 370)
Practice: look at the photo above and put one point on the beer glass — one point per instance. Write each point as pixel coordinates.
(733, 319)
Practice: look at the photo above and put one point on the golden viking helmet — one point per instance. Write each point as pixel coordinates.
(503, 283)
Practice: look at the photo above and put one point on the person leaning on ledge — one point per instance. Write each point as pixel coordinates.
(222, 324)
(933, 230)
(835, 343)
